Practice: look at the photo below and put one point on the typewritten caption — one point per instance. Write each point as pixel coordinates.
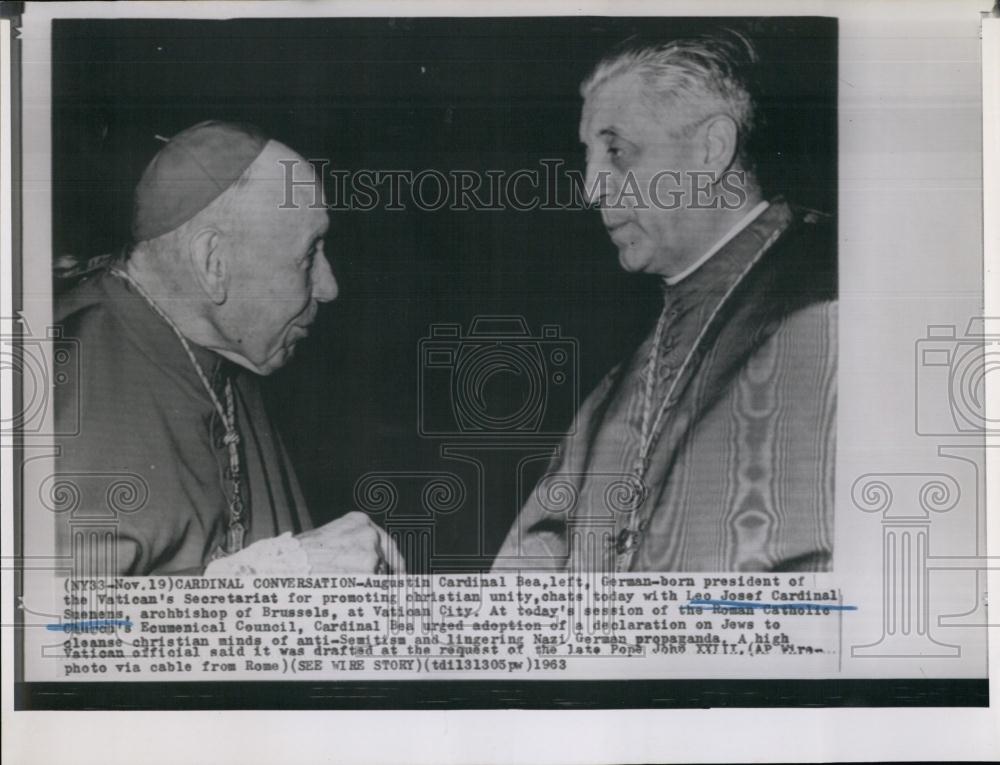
(340, 627)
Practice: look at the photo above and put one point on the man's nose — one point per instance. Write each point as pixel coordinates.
(324, 282)
(596, 180)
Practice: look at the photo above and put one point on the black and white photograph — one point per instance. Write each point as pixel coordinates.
(359, 361)
(508, 280)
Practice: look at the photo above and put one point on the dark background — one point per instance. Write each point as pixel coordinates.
(474, 94)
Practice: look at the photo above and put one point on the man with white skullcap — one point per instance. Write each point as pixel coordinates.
(223, 279)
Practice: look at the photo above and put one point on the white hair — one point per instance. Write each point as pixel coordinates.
(697, 76)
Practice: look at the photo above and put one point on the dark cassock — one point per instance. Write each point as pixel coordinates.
(147, 419)
(712, 447)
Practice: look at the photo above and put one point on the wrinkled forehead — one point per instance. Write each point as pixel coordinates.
(620, 101)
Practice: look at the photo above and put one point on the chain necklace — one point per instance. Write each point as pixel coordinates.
(628, 537)
(649, 425)
(638, 490)
(237, 529)
(627, 540)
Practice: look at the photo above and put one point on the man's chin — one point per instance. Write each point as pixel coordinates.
(278, 360)
(272, 363)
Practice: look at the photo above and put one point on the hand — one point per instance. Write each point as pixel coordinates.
(351, 544)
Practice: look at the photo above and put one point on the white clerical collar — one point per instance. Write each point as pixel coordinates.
(745, 221)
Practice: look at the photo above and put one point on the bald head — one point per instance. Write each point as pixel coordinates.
(279, 185)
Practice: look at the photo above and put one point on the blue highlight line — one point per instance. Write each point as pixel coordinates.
(94, 624)
(754, 604)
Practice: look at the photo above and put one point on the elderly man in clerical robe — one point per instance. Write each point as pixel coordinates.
(710, 448)
(224, 277)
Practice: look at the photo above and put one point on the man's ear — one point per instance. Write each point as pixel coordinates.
(720, 139)
(209, 264)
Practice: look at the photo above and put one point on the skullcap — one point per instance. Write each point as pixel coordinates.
(191, 171)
